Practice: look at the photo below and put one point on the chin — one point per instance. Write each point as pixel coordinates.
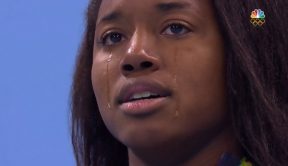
(149, 138)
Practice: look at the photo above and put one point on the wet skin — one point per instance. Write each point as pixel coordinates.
(184, 48)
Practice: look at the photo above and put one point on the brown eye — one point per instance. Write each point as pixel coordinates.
(112, 38)
(176, 29)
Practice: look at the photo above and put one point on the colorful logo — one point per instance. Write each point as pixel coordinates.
(257, 17)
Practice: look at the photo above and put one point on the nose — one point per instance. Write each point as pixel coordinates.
(139, 59)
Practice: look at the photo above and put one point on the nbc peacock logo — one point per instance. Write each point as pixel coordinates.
(257, 17)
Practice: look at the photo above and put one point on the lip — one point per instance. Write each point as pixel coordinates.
(142, 106)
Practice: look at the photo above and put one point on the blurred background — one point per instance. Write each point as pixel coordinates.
(38, 45)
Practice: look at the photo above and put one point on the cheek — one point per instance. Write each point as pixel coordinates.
(104, 74)
(201, 82)
(100, 77)
(101, 80)
(98, 74)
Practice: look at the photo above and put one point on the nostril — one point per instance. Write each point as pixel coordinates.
(128, 67)
(146, 64)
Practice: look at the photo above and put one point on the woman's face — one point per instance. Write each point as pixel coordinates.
(158, 71)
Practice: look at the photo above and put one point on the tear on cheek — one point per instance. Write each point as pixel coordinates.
(174, 76)
(108, 61)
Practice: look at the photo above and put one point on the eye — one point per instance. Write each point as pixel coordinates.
(112, 38)
(176, 29)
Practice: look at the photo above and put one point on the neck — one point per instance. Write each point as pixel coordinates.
(185, 154)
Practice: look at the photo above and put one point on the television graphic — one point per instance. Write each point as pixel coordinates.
(257, 17)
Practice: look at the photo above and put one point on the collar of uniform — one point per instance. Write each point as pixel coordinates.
(231, 160)
(227, 159)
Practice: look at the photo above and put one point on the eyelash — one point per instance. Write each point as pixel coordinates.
(107, 35)
(185, 28)
(103, 40)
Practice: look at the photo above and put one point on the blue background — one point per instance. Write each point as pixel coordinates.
(38, 45)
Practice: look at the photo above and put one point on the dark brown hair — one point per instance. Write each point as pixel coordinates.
(257, 80)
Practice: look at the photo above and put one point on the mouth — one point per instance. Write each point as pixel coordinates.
(142, 97)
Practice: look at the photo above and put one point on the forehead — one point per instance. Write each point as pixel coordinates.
(141, 3)
(145, 8)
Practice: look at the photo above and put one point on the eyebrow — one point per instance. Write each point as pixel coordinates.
(111, 17)
(169, 6)
(162, 7)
